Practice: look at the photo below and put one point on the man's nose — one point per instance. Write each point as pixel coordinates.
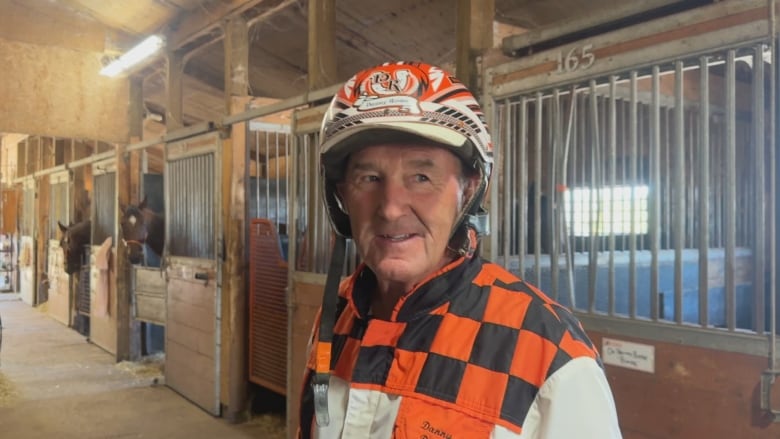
(394, 200)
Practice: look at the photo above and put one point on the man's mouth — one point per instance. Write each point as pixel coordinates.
(397, 238)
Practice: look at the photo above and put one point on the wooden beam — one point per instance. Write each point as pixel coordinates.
(322, 44)
(174, 72)
(236, 76)
(474, 30)
(204, 21)
(236, 265)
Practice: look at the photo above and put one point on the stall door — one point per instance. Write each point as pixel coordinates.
(59, 281)
(192, 236)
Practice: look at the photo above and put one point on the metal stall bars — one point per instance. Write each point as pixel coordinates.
(269, 148)
(647, 158)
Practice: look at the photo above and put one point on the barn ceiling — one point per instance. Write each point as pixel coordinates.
(367, 32)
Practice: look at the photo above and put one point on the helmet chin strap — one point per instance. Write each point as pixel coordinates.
(323, 344)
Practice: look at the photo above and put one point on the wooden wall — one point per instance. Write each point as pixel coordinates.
(694, 393)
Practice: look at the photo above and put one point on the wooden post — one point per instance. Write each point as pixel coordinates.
(122, 265)
(322, 44)
(174, 82)
(234, 309)
(474, 30)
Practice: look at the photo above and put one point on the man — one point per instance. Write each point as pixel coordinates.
(427, 339)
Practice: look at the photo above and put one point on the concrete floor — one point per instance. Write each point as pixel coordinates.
(54, 384)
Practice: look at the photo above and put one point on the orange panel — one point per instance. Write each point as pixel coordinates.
(267, 308)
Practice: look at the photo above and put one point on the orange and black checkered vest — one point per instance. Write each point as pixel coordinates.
(474, 338)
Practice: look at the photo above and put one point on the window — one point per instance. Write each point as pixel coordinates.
(607, 211)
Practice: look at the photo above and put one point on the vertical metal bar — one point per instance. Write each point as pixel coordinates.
(772, 203)
(655, 193)
(258, 174)
(522, 193)
(679, 189)
(632, 277)
(566, 234)
(612, 185)
(759, 252)
(730, 192)
(505, 114)
(538, 190)
(704, 189)
(267, 176)
(555, 123)
(595, 198)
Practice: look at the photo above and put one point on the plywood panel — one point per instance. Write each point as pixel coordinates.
(150, 295)
(68, 97)
(59, 291)
(307, 297)
(102, 328)
(694, 393)
(9, 211)
(190, 367)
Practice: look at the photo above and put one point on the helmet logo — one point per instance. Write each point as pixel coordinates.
(388, 90)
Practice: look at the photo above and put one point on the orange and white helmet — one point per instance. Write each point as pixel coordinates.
(403, 101)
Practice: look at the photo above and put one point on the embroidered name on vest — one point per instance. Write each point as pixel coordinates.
(434, 431)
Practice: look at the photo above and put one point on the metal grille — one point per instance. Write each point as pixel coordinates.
(82, 291)
(268, 310)
(618, 194)
(104, 199)
(313, 230)
(192, 209)
(58, 208)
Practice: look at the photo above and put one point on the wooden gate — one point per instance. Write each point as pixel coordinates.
(193, 295)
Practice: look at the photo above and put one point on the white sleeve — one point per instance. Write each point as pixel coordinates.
(575, 402)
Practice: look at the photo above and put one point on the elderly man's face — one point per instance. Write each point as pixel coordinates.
(402, 202)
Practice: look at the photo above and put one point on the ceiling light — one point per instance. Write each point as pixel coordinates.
(142, 51)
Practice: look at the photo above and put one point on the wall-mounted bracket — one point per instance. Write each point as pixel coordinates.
(768, 378)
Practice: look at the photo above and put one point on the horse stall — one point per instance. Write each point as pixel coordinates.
(27, 254)
(193, 232)
(59, 281)
(269, 147)
(147, 279)
(102, 254)
(648, 152)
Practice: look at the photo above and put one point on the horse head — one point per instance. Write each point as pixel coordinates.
(74, 238)
(141, 226)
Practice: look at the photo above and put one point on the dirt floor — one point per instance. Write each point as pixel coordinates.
(55, 384)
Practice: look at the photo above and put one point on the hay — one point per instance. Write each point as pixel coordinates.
(8, 392)
(269, 426)
(148, 367)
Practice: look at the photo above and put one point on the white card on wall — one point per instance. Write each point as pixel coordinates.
(629, 355)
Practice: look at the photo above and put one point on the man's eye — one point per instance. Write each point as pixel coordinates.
(420, 178)
(369, 179)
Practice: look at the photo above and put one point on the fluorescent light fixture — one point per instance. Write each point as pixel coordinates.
(142, 51)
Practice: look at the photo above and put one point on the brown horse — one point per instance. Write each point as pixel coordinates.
(75, 238)
(141, 226)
